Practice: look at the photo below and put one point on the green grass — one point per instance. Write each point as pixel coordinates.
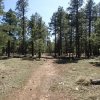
(14, 73)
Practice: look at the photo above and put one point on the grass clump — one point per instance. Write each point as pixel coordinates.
(83, 81)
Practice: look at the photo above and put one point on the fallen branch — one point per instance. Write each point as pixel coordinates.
(95, 82)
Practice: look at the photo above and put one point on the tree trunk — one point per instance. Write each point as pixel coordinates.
(95, 82)
(39, 54)
(60, 42)
(90, 51)
(32, 49)
(23, 33)
(8, 49)
(55, 42)
(77, 35)
(59, 47)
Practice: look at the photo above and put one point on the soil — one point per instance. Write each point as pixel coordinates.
(38, 86)
(57, 80)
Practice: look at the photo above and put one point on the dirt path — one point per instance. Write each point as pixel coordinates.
(38, 85)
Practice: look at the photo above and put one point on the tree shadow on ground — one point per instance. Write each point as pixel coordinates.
(48, 57)
(65, 60)
(4, 57)
(97, 64)
(18, 56)
(30, 58)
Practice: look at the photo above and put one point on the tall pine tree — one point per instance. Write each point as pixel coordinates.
(21, 7)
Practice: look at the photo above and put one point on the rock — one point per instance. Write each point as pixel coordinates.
(3, 77)
(30, 89)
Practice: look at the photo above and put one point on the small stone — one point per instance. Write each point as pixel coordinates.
(77, 88)
(30, 89)
(3, 77)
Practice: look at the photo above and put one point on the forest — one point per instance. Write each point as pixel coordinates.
(55, 61)
(75, 30)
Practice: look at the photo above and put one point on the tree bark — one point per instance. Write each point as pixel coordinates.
(23, 33)
(55, 41)
(8, 49)
(95, 82)
(77, 35)
(32, 49)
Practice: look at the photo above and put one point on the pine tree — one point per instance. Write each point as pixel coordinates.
(21, 7)
(38, 32)
(1, 7)
(53, 27)
(59, 25)
(74, 9)
(33, 31)
(10, 22)
(89, 16)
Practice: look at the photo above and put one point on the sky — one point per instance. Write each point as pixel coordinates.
(45, 8)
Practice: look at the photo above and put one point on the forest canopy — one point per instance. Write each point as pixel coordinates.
(76, 30)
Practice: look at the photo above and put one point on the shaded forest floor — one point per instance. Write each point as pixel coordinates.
(49, 79)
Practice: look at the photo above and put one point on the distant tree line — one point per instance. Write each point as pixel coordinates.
(20, 35)
(76, 31)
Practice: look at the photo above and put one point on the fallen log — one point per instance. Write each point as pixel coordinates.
(95, 82)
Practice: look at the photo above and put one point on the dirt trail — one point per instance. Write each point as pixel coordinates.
(38, 85)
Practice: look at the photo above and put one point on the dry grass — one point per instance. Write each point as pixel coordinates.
(83, 81)
(74, 80)
(71, 83)
(14, 73)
